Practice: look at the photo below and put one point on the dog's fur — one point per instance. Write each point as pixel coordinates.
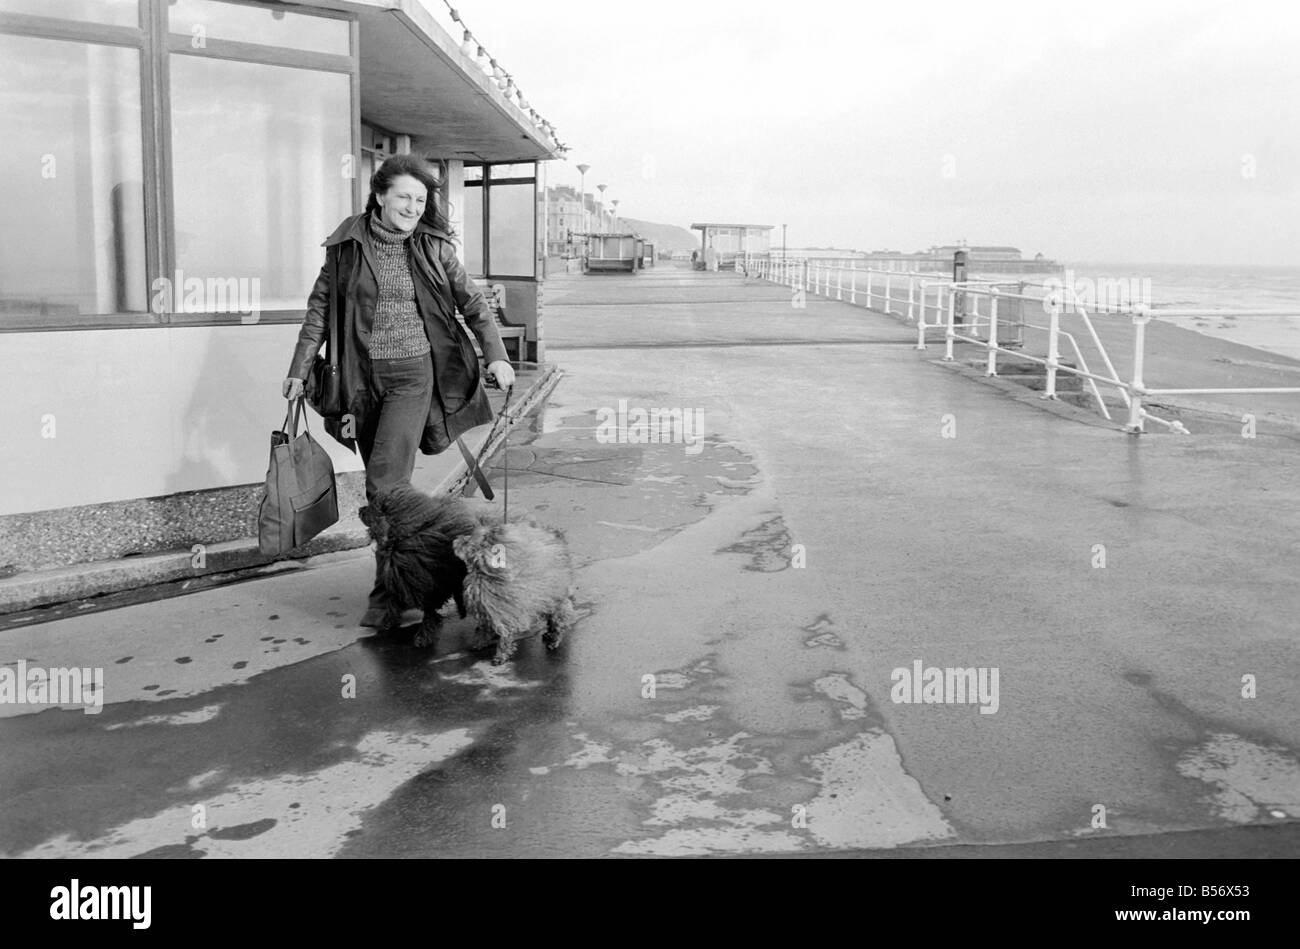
(516, 574)
(413, 534)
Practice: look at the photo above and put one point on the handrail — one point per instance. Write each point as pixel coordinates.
(815, 276)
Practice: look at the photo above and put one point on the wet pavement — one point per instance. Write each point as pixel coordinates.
(746, 599)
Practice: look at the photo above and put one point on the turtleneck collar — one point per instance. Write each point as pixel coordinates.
(383, 232)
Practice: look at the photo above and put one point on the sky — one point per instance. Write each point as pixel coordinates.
(1141, 131)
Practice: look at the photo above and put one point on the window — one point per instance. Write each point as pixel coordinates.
(521, 170)
(202, 20)
(110, 12)
(510, 230)
(258, 221)
(71, 181)
(472, 230)
(256, 122)
(504, 244)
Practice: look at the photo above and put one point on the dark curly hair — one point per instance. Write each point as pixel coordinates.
(423, 171)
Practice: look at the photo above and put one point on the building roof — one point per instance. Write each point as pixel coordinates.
(977, 247)
(753, 227)
(415, 79)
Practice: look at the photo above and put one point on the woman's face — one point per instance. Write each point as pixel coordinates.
(401, 206)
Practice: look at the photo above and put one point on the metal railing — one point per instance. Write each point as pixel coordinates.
(956, 308)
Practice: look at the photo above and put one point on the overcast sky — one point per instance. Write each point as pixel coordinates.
(1138, 131)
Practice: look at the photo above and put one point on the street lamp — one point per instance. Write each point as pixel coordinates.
(601, 189)
(615, 213)
(783, 242)
(582, 172)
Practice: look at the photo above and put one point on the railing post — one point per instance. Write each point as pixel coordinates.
(1020, 313)
(920, 324)
(868, 288)
(1136, 422)
(888, 302)
(993, 334)
(911, 293)
(853, 282)
(952, 315)
(1053, 343)
(839, 281)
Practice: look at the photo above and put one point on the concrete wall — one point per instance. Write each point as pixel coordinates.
(142, 412)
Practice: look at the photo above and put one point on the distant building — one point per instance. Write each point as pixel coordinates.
(977, 252)
(987, 258)
(822, 253)
(568, 217)
(729, 241)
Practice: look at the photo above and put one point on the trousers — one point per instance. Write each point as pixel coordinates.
(401, 391)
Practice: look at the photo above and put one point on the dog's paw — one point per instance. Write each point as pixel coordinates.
(481, 637)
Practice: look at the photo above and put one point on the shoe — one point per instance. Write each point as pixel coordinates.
(411, 617)
(376, 618)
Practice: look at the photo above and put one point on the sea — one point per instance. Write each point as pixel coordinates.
(1219, 287)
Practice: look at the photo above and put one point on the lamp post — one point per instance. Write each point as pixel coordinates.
(601, 189)
(614, 214)
(783, 242)
(582, 173)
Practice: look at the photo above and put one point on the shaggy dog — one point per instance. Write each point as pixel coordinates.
(413, 535)
(516, 574)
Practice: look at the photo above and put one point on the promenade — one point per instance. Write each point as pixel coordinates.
(752, 600)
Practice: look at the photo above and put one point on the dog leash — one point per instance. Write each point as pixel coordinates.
(505, 457)
(475, 469)
(474, 463)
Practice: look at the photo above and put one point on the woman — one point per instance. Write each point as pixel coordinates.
(410, 377)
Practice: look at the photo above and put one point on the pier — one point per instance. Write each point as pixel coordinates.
(841, 507)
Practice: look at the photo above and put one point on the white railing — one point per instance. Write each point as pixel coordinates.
(883, 290)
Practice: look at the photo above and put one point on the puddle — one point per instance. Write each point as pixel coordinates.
(1252, 782)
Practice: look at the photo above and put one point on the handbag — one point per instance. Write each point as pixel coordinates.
(324, 387)
(301, 497)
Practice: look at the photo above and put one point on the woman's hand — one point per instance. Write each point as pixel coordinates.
(292, 388)
(502, 372)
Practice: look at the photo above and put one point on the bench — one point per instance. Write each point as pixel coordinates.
(496, 300)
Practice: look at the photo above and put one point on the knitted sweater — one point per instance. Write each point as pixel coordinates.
(398, 330)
